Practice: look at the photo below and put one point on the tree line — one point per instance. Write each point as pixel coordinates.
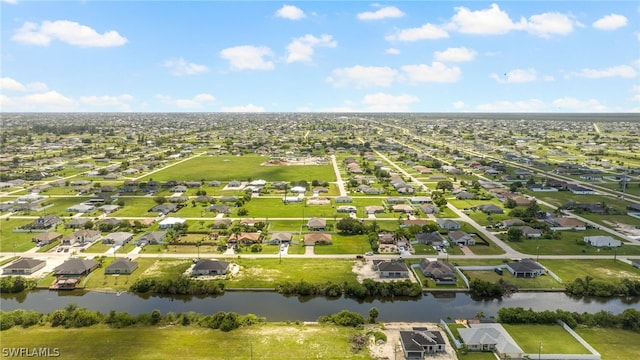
(368, 288)
(629, 319)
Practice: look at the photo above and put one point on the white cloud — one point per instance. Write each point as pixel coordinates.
(382, 13)
(460, 54)
(10, 1)
(47, 98)
(363, 76)
(197, 102)
(302, 48)
(392, 51)
(624, 71)
(180, 67)
(248, 57)
(610, 22)
(290, 12)
(495, 21)
(458, 104)
(243, 108)
(635, 90)
(532, 105)
(573, 104)
(11, 84)
(548, 24)
(516, 76)
(436, 72)
(382, 102)
(120, 102)
(488, 21)
(66, 31)
(425, 32)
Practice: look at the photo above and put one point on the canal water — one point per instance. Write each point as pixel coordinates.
(276, 307)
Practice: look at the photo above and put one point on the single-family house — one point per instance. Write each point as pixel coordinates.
(525, 268)
(374, 209)
(245, 238)
(170, 222)
(75, 267)
(602, 241)
(448, 224)
(511, 222)
(490, 337)
(349, 209)
(164, 208)
(151, 237)
(77, 223)
(395, 200)
(442, 272)
(403, 208)
(316, 224)
(429, 209)
(565, 223)
(391, 268)
(433, 238)
(317, 239)
(489, 209)
(420, 200)
(108, 208)
(281, 238)
(343, 199)
(23, 266)
(46, 238)
(81, 237)
(210, 267)
(46, 222)
(465, 195)
(529, 232)
(420, 342)
(117, 238)
(81, 208)
(461, 238)
(121, 266)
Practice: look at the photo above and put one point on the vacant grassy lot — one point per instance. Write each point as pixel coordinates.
(265, 341)
(570, 243)
(612, 344)
(226, 168)
(266, 273)
(10, 241)
(554, 339)
(136, 207)
(605, 269)
(98, 279)
(343, 244)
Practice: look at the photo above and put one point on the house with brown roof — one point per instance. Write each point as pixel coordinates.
(46, 238)
(442, 272)
(317, 239)
(245, 238)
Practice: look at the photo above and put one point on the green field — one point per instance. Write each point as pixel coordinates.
(98, 279)
(226, 168)
(554, 339)
(539, 282)
(342, 244)
(15, 241)
(266, 273)
(612, 344)
(603, 269)
(264, 341)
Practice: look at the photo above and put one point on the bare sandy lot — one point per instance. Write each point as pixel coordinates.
(392, 349)
(364, 270)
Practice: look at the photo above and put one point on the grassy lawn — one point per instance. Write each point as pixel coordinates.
(273, 207)
(98, 279)
(605, 269)
(225, 168)
(60, 204)
(266, 273)
(570, 243)
(15, 241)
(264, 341)
(342, 244)
(540, 282)
(612, 344)
(136, 207)
(554, 339)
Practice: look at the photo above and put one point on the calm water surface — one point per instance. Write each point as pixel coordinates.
(276, 307)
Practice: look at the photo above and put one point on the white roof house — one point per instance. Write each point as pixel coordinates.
(170, 222)
(602, 241)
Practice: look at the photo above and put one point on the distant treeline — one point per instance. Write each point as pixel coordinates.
(73, 316)
(180, 286)
(16, 284)
(589, 286)
(627, 320)
(368, 288)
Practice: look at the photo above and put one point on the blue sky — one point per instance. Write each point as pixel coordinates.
(320, 56)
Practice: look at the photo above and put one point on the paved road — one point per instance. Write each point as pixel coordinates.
(339, 182)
